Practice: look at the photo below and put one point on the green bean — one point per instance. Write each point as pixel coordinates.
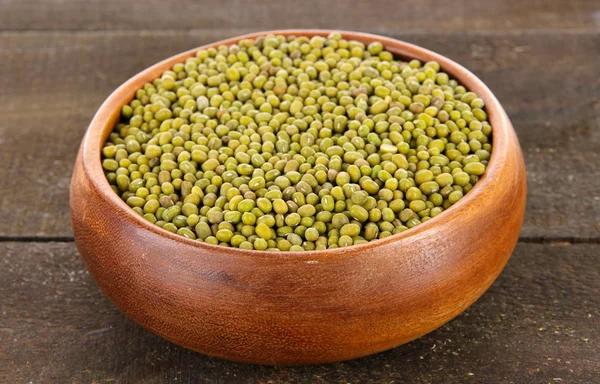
(297, 144)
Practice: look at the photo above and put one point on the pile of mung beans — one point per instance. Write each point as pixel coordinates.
(296, 143)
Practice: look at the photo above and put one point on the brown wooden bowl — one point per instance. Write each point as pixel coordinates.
(294, 308)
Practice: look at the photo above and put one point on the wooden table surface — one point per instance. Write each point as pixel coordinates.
(540, 321)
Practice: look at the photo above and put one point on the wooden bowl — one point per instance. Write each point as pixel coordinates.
(294, 308)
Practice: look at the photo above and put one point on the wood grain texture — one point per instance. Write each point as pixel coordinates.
(59, 80)
(540, 321)
(234, 15)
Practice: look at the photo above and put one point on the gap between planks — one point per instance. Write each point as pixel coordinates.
(242, 31)
(566, 240)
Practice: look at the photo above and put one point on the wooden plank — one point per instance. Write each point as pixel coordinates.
(262, 15)
(538, 323)
(58, 80)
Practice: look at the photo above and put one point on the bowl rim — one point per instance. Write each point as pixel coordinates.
(103, 122)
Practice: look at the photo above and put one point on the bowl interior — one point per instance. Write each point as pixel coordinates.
(109, 113)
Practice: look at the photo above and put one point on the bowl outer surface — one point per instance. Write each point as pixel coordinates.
(290, 308)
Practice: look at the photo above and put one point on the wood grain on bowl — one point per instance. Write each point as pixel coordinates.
(299, 307)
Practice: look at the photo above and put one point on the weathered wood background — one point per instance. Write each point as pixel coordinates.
(59, 59)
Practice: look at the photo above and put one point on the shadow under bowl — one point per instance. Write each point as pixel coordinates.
(291, 308)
